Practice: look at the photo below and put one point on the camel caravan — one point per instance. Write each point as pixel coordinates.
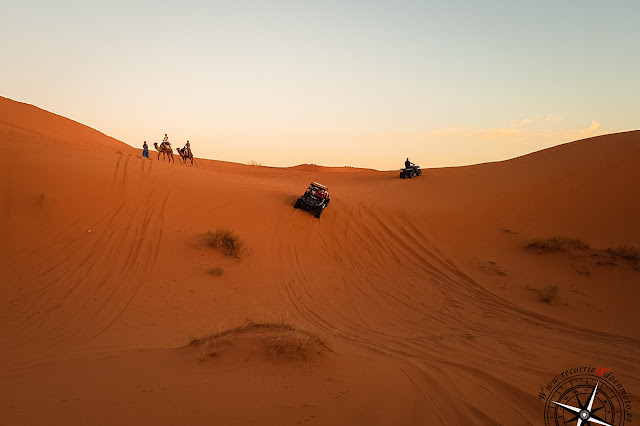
(167, 151)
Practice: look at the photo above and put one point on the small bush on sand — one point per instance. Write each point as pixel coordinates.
(277, 340)
(254, 163)
(216, 271)
(227, 240)
(549, 293)
(560, 243)
(292, 344)
(627, 252)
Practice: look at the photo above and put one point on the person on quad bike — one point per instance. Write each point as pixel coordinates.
(408, 164)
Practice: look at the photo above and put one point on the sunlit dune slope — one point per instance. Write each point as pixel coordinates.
(585, 187)
(107, 276)
(19, 121)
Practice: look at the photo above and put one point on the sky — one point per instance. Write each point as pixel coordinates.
(335, 83)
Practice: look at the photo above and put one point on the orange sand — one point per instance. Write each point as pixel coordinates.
(421, 289)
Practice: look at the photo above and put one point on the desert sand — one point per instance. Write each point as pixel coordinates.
(407, 302)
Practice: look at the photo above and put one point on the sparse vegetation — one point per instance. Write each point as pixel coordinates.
(626, 252)
(583, 256)
(493, 268)
(291, 344)
(281, 341)
(560, 243)
(227, 240)
(216, 271)
(254, 163)
(547, 294)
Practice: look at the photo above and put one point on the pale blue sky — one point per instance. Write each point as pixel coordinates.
(363, 83)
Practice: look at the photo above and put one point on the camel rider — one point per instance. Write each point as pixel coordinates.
(165, 141)
(187, 149)
(407, 164)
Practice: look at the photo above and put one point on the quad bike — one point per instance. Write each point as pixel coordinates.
(410, 172)
(314, 200)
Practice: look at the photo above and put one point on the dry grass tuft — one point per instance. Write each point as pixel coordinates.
(227, 240)
(493, 268)
(254, 163)
(294, 344)
(626, 252)
(282, 341)
(549, 293)
(560, 243)
(216, 271)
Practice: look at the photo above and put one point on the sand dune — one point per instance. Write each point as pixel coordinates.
(422, 290)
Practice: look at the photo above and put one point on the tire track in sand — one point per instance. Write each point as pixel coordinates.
(91, 281)
(379, 284)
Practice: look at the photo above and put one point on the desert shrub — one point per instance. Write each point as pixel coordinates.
(549, 293)
(216, 271)
(292, 344)
(254, 163)
(627, 252)
(560, 243)
(227, 240)
(281, 341)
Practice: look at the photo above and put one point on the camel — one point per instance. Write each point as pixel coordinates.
(165, 150)
(185, 155)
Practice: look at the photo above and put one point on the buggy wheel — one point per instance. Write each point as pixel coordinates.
(411, 174)
(419, 173)
(318, 213)
(401, 175)
(297, 204)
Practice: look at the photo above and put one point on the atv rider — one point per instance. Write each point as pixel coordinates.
(408, 164)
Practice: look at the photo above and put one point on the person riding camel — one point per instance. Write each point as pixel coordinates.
(165, 141)
(187, 149)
